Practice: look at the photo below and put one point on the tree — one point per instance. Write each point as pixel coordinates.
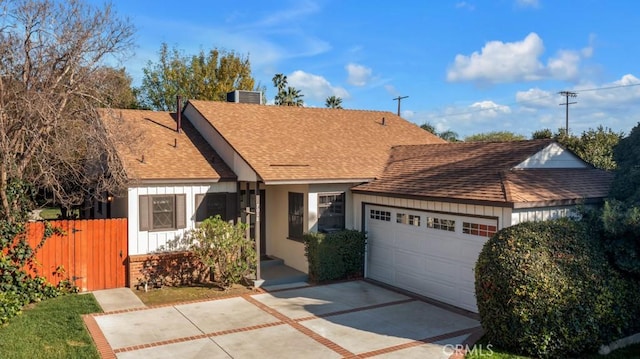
(429, 127)
(333, 102)
(449, 136)
(116, 85)
(205, 76)
(593, 146)
(287, 95)
(542, 134)
(51, 66)
(494, 136)
(621, 213)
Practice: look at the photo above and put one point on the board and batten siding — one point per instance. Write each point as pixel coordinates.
(144, 242)
(502, 213)
(553, 156)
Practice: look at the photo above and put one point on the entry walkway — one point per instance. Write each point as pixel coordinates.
(353, 319)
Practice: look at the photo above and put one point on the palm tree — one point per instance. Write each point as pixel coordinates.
(292, 97)
(280, 82)
(333, 102)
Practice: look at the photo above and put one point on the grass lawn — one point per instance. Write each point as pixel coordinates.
(630, 352)
(169, 295)
(51, 329)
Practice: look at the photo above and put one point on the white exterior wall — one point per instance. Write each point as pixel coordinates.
(553, 156)
(502, 213)
(143, 242)
(238, 165)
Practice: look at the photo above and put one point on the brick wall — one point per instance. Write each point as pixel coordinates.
(174, 268)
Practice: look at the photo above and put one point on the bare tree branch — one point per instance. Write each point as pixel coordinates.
(52, 60)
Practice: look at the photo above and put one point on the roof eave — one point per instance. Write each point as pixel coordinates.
(479, 202)
(316, 181)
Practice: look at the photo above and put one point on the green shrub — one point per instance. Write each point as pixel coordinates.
(546, 289)
(222, 247)
(17, 286)
(334, 256)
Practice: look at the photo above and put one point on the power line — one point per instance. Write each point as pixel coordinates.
(535, 99)
(567, 94)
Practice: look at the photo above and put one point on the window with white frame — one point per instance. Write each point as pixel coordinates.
(380, 215)
(331, 210)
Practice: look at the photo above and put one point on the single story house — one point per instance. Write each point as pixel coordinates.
(426, 205)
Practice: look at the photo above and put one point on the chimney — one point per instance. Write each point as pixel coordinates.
(179, 114)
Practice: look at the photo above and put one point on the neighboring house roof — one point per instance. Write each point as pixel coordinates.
(484, 172)
(161, 153)
(302, 144)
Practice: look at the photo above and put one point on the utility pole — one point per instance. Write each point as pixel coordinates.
(566, 103)
(399, 98)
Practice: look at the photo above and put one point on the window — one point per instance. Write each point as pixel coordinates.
(162, 212)
(331, 212)
(442, 224)
(476, 229)
(296, 215)
(212, 204)
(380, 215)
(408, 219)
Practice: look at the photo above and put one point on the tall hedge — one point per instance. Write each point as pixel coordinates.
(334, 256)
(546, 289)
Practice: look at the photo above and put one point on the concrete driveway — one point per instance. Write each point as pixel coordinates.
(354, 319)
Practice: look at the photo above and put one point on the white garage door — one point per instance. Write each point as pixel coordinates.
(431, 254)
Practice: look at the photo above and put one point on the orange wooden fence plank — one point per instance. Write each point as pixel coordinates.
(90, 253)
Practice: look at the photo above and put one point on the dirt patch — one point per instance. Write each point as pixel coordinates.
(171, 295)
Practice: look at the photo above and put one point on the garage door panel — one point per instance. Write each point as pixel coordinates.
(429, 261)
(409, 261)
(439, 269)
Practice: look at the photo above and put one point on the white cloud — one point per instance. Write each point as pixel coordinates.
(315, 87)
(565, 66)
(358, 75)
(536, 98)
(490, 109)
(500, 62)
(528, 3)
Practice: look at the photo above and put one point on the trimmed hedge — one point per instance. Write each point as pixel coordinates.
(335, 256)
(546, 289)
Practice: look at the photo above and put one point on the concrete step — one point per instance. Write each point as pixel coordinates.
(278, 273)
(270, 262)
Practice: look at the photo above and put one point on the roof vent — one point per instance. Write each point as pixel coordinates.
(241, 96)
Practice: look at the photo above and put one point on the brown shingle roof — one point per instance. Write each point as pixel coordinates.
(295, 143)
(168, 155)
(539, 185)
(480, 171)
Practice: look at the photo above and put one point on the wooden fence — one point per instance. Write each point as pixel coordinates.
(92, 253)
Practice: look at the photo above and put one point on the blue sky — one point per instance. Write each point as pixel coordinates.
(467, 66)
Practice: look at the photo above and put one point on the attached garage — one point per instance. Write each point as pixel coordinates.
(435, 206)
(428, 253)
